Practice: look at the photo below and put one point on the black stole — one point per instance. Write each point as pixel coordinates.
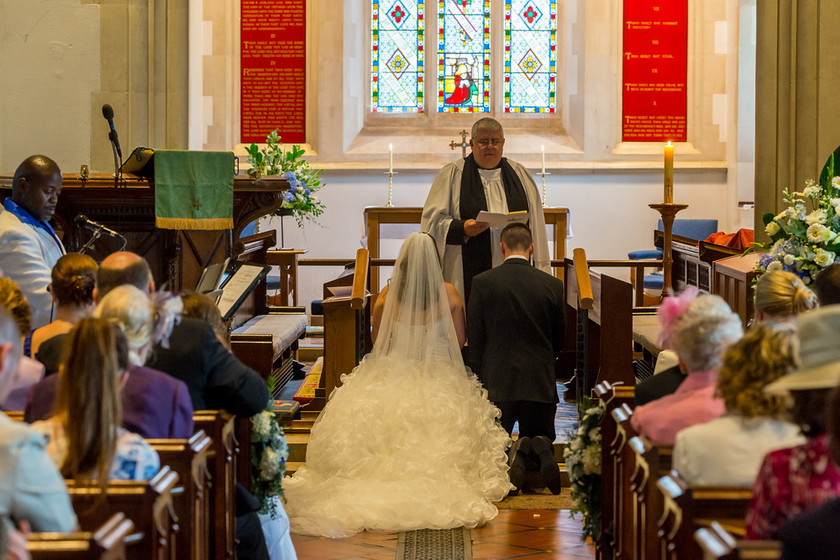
(477, 252)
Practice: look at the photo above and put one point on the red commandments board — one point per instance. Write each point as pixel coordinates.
(273, 70)
(655, 69)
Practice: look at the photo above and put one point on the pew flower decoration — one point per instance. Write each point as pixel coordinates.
(804, 236)
(300, 199)
(268, 459)
(583, 461)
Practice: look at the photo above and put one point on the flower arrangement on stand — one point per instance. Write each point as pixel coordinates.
(583, 461)
(304, 181)
(804, 236)
(268, 459)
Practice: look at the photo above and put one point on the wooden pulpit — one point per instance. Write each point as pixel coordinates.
(177, 257)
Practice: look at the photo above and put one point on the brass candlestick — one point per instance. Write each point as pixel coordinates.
(669, 212)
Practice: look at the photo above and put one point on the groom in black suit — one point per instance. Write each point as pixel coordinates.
(515, 329)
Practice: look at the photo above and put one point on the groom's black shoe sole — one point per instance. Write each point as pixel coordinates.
(549, 471)
(516, 459)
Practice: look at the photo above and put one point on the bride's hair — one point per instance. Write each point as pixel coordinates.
(416, 320)
(414, 245)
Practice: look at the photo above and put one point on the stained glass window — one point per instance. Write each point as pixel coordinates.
(530, 56)
(463, 56)
(397, 56)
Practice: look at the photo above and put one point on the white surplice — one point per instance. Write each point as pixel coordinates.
(443, 205)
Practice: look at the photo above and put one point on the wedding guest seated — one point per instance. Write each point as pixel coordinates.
(155, 405)
(84, 436)
(813, 535)
(827, 285)
(728, 450)
(797, 479)
(778, 297)
(699, 329)
(28, 371)
(31, 488)
(73, 280)
(215, 377)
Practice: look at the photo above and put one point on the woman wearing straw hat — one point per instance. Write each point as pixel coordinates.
(797, 479)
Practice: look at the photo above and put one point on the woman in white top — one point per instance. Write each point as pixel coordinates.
(728, 450)
(85, 436)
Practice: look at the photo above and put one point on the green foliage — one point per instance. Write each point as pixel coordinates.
(304, 181)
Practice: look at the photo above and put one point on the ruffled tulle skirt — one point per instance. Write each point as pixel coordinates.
(401, 446)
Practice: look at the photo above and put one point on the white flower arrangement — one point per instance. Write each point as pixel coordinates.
(268, 459)
(583, 461)
(806, 235)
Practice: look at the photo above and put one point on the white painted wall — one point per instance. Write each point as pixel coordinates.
(609, 213)
(49, 63)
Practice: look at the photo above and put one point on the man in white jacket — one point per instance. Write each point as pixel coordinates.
(484, 180)
(29, 246)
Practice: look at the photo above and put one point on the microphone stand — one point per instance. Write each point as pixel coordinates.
(116, 159)
(89, 245)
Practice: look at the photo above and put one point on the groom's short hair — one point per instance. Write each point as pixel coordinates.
(516, 237)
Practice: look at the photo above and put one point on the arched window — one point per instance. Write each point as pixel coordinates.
(483, 49)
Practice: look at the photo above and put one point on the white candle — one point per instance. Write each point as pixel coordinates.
(542, 148)
(390, 158)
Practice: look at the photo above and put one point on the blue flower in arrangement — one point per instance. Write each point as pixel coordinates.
(304, 182)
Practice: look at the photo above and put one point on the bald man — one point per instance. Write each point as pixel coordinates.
(29, 247)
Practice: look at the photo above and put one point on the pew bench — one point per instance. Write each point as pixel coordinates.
(220, 427)
(148, 504)
(108, 542)
(188, 458)
(716, 543)
(686, 509)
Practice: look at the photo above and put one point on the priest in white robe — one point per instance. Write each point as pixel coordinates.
(484, 180)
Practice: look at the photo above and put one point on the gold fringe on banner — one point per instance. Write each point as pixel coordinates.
(185, 223)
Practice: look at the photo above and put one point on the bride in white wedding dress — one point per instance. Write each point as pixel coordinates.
(409, 441)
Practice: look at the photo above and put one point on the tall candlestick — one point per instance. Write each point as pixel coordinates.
(669, 173)
(542, 149)
(390, 158)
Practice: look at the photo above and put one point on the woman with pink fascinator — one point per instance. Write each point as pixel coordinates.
(699, 328)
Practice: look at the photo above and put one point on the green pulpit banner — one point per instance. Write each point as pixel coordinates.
(193, 190)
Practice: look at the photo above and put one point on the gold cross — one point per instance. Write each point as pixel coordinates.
(463, 143)
(197, 204)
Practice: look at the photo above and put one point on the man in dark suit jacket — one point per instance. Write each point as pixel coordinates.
(515, 329)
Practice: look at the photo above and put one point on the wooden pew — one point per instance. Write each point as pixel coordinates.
(346, 327)
(221, 462)
(650, 462)
(268, 347)
(687, 508)
(717, 544)
(108, 542)
(147, 503)
(611, 397)
(188, 458)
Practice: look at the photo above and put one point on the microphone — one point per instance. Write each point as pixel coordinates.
(82, 221)
(108, 113)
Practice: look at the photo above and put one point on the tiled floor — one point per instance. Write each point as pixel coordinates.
(526, 534)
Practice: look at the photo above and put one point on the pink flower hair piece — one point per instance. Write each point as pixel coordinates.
(670, 311)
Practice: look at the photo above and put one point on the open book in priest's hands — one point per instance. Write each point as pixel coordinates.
(499, 219)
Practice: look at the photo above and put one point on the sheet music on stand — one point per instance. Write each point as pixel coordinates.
(239, 285)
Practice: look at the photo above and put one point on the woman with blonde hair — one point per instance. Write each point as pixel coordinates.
(728, 450)
(780, 295)
(155, 405)
(84, 436)
(73, 281)
(29, 371)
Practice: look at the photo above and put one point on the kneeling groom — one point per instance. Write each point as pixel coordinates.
(515, 330)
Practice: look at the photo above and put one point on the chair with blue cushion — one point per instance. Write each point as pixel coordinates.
(697, 229)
